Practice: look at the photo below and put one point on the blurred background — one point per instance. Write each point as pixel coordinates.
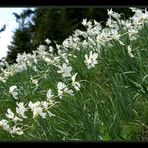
(24, 29)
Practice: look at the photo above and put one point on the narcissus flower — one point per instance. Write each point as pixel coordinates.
(75, 84)
(65, 70)
(14, 91)
(62, 88)
(4, 124)
(20, 109)
(47, 41)
(91, 60)
(16, 130)
(11, 115)
(37, 109)
(49, 94)
(46, 106)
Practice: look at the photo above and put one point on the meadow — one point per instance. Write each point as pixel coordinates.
(94, 88)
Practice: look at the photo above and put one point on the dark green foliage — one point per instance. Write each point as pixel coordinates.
(53, 23)
(21, 43)
(22, 36)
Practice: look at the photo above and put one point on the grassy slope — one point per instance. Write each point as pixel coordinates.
(111, 105)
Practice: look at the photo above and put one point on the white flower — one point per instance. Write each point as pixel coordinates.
(45, 104)
(62, 88)
(49, 94)
(91, 60)
(2, 79)
(84, 22)
(114, 34)
(48, 60)
(47, 41)
(109, 12)
(11, 115)
(51, 49)
(76, 85)
(65, 70)
(88, 24)
(14, 91)
(130, 51)
(37, 109)
(68, 91)
(21, 109)
(16, 130)
(61, 85)
(41, 48)
(113, 14)
(4, 124)
(65, 43)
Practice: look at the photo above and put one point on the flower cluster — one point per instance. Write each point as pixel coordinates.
(14, 123)
(91, 60)
(95, 37)
(90, 42)
(14, 91)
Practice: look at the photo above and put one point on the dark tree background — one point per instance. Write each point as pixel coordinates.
(53, 23)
